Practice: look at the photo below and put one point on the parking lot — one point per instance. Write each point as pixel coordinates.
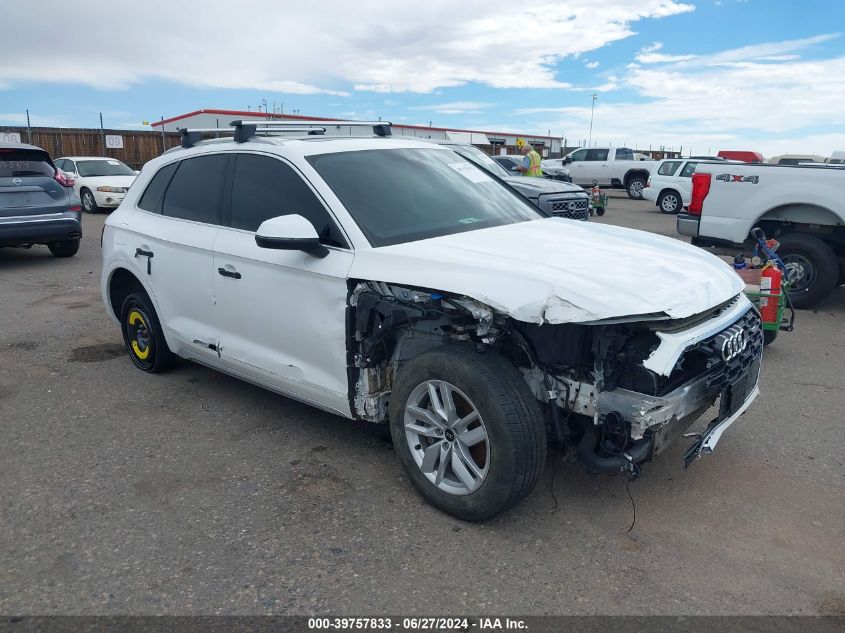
(192, 492)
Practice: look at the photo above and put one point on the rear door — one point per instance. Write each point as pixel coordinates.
(170, 241)
(27, 184)
(281, 313)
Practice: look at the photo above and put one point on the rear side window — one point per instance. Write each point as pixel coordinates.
(266, 188)
(669, 167)
(25, 162)
(196, 191)
(153, 196)
(624, 153)
(688, 170)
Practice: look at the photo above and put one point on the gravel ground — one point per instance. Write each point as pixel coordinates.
(194, 493)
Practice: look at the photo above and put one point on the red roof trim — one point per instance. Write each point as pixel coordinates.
(321, 118)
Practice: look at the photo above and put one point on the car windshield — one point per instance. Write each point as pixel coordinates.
(105, 167)
(404, 195)
(481, 159)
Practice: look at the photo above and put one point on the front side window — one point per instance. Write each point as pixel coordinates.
(668, 167)
(597, 154)
(266, 188)
(404, 195)
(581, 154)
(104, 167)
(196, 190)
(688, 170)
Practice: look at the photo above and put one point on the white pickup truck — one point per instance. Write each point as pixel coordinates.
(802, 206)
(609, 167)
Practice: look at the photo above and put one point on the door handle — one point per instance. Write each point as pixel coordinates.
(229, 273)
(140, 252)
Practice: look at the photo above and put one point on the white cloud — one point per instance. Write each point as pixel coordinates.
(455, 107)
(739, 98)
(308, 48)
(592, 65)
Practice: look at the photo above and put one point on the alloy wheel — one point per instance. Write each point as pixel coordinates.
(447, 438)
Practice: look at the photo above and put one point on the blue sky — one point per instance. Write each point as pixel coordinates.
(766, 75)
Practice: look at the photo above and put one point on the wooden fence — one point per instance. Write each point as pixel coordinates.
(139, 146)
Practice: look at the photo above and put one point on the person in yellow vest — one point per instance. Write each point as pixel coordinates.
(531, 162)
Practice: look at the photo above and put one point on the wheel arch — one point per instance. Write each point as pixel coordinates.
(121, 283)
(631, 173)
(800, 213)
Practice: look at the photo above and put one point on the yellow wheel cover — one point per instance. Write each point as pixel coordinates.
(136, 317)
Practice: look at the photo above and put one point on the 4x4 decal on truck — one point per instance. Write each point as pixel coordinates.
(732, 178)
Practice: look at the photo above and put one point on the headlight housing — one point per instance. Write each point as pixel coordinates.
(112, 189)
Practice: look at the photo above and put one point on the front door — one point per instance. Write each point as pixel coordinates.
(281, 314)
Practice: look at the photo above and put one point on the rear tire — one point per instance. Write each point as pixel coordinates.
(669, 202)
(143, 336)
(65, 248)
(816, 261)
(505, 464)
(635, 187)
(89, 203)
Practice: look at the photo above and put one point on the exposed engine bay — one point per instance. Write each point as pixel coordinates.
(620, 390)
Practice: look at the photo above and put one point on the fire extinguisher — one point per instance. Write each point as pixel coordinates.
(770, 284)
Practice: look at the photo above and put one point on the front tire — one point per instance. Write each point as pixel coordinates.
(89, 203)
(669, 202)
(468, 431)
(635, 187)
(814, 264)
(65, 248)
(143, 336)
(769, 337)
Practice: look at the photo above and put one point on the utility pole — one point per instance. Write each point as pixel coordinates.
(28, 129)
(102, 135)
(163, 137)
(592, 109)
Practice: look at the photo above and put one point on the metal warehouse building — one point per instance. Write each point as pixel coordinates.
(492, 142)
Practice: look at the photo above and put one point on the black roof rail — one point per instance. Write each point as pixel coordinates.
(245, 130)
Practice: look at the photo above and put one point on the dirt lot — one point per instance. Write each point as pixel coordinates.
(191, 492)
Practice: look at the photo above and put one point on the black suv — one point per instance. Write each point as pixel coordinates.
(37, 201)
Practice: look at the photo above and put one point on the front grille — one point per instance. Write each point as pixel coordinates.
(572, 208)
(725, 373)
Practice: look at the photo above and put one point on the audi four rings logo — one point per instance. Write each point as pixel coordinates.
(731, 342)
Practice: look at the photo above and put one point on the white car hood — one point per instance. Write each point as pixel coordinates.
(107, 181)
(560, 271)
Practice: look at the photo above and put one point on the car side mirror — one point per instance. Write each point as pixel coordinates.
(567, 160)
(290, 233)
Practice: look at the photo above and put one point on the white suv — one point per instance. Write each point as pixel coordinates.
(394, 281)
(669, 185)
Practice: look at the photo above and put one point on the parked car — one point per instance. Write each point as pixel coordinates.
(512, 162)
(101, 182)
(803, 207)
(37, 201)
(795, 159)
(670, 184)
(609, 166)
(559, 199)
(743, 156)
(836, 158)
(393, 281)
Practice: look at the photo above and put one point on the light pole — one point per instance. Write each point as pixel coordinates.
(592, 109)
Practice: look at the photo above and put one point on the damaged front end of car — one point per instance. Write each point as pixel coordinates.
(618, 391)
